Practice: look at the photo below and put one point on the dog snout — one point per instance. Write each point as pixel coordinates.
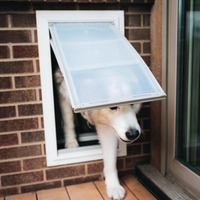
(132, 133)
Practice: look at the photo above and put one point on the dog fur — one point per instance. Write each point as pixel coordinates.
(108, 123)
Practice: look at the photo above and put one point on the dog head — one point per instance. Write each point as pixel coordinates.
(121, 119)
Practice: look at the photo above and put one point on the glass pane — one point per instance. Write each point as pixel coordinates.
(101, 66)
(188, 91)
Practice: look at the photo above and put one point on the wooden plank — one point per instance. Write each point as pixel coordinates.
(53, 194)
(102, 189)
(29, 196)
(137, 188)
(86, 191)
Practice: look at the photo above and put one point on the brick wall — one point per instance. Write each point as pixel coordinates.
(22, 144)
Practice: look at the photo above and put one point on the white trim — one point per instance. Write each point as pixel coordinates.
(80, 154)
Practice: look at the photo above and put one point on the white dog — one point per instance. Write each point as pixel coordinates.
(109, 122)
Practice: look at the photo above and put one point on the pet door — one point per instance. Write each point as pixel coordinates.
(100, 67)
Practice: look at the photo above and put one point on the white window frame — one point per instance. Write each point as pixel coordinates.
(183, 175)
(80, 154)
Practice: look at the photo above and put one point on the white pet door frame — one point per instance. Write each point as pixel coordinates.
(44, 20)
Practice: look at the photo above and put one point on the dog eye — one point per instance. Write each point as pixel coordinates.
(113, 108)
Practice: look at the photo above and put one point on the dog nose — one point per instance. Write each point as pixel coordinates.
(132, 133)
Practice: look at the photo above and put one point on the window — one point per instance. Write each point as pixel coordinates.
(100, 66)
(183, 93)
(95, 78)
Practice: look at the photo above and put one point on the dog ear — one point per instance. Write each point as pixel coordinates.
(86, 115)
(137, 107)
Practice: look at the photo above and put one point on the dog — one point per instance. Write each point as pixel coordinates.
(109, 122)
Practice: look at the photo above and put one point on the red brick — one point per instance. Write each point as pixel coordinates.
(100, 6)
(82, 1)
(16, 67)
(5, 83)
(35, 36)
(120, 164)
(111, 1)
(9, 139)
(27, 81)
(126, 172)
(97, 1)
(146, 20)
(38, 65)
(3, 20)
(65, 172)
(132, 162)
(95, 168)
(6, 112)
(146, 148)
(34, 163)
(137, 34)
(18, 124)
(36, 136)
(125, 1)
(42, 122)
(41, 186)
(22, 178)
(132, 20)
(8, 191)
(4, 52)
(15, 36)
(23, 20)
(30, 109)
(144, 137)
(134, 150)
(137, 46)
(40, 94)
(67, 0)
(86, 179)
(146, 47)
(144, 112)
(8, 167)
(19, 152)
(17, 96)
(138, 1)
(147, 60)
(25, 51)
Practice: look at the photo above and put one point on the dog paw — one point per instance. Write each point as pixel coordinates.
(116, 192)
(71, 144)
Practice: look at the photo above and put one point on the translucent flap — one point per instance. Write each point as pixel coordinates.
(100, 67)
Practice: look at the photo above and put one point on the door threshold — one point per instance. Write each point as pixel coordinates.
(162, 187)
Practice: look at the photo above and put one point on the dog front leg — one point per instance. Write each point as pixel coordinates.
(108, 142)
(68, 123)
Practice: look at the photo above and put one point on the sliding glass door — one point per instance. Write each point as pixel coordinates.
(188, 85)
(183, 91)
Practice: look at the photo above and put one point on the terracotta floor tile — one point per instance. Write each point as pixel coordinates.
(137, 188)
(53, 194)
(102, 189)
(84, 191)
(29, 196)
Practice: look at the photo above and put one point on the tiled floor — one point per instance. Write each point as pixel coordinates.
(88, 191)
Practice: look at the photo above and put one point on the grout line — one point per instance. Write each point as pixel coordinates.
(98, 190)
(128, 188)
(67, 193)
(22, 166)
(20, 75)
(36, 196)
